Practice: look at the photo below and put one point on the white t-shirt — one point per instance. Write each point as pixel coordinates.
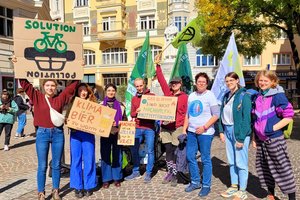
(199, 110)
(227, 115)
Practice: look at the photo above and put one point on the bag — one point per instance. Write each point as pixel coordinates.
(287, 130)
(252, 93)
(56, 118)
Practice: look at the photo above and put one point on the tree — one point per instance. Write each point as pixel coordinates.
(255, 22)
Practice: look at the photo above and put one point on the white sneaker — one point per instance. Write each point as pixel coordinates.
(17, 136)
(6, 148)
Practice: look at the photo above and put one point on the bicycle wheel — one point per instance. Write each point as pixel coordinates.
(60, 46)
(40, 45)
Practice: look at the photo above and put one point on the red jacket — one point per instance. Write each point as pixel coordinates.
(182, 101)
(135, 104)
(41, 108)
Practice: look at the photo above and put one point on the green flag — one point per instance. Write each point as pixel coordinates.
(182, 69)
(139, 71)
(190, 33)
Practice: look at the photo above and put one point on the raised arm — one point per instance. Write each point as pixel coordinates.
(160, 77)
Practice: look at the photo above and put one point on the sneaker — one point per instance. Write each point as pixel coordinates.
(167, 178)
(88, 193)
(6, 148)
(17, 136)
(240, 195)
(191, 187)
(229, 192)
(147, 178)
(174, 181)
(270, 197)
(204, 191)
(134, 175)
(78, 193)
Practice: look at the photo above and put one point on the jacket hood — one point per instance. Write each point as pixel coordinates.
(276, 90)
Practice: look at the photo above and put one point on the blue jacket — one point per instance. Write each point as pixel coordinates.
(241, 115)
(9, 117)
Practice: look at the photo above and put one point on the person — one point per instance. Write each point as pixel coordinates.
(144, 128)
(8, 109)
(235, 130)
(111, 152)
(82, 150)
(203, 112)
(171, 130)
(21, 114)
(47, 134)
(272, 112)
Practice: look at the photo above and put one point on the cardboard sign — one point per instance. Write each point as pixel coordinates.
(126, 133)
(91, 117)
(47, 49)
(158, 108)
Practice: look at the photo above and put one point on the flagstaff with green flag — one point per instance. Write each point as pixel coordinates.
(182, 69)
(143, 68)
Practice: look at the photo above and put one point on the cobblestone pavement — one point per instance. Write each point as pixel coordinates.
(18, 174)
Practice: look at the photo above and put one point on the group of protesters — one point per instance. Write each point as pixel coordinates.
(195, 119)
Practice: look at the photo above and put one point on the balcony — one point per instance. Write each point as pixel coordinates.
(178, 6)
(109, 3)
(81, 13)
(115, 32)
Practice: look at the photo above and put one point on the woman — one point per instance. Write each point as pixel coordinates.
(82, 146)
(8, 109)
(203, 112)
(111, 152)
(47, 134)
(171, 130)
(23, 107)
(272, 112)
(235, 129)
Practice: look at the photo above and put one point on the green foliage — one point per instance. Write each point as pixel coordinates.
(121, 92)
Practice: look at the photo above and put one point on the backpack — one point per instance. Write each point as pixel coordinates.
(250, 92)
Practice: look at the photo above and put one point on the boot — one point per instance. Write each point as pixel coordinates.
(41, 196)
(55, 194)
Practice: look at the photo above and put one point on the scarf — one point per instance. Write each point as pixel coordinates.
(116, 106)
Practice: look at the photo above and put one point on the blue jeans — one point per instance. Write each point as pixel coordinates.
(21, 123)
(45, 137)
(111, 170)
(237, 159)
(200, 142)
(82, 146)
(149, 136)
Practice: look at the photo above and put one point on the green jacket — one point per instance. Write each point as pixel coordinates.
(241, 115)
(9, 117)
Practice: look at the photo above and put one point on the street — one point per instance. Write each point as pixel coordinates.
(18, 173)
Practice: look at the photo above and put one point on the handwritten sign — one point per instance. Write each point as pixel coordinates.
(158, 108)
(126, 133)
(47, 49)
(91, 117)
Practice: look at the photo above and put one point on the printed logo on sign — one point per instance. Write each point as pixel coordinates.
(144, 101)
(196, 108)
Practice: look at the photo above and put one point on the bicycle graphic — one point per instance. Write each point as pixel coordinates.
(41, 45)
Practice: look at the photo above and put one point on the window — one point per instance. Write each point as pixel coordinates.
(117, 79)
(177, 21)
(154, 50)
(108, 23)
(147, 22)
(89, 57)
(203, 60)
(281, 59)
(82, 3)
(89, 78)
(114, 56)
(86, 28)
(252, 61)
(6, 22)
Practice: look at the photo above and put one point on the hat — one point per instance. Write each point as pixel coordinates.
(175, 79)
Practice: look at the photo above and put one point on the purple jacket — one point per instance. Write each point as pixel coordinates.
(269, 110)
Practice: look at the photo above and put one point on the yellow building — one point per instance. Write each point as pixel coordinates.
(114, 31)
(37, 9)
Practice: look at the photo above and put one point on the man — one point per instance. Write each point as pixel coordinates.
(23, 107)
(144, 129)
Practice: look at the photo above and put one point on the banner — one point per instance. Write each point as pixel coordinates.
(182, 69)
(91, 117)
(229, 63)
(158, 108)
(47, 49)
(126, 133)
(190, 33)
(139, 71)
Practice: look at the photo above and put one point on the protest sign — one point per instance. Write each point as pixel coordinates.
(91, 117)
(47, 49)
(126, 133)
(158, 108)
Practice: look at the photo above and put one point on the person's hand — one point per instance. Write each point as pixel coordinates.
(200, 130)
(222, 137)
(157, 58)
(138, 110)
(254, 144)
(83, 62)
(14, 59)
(239, 145)
(114, 123)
